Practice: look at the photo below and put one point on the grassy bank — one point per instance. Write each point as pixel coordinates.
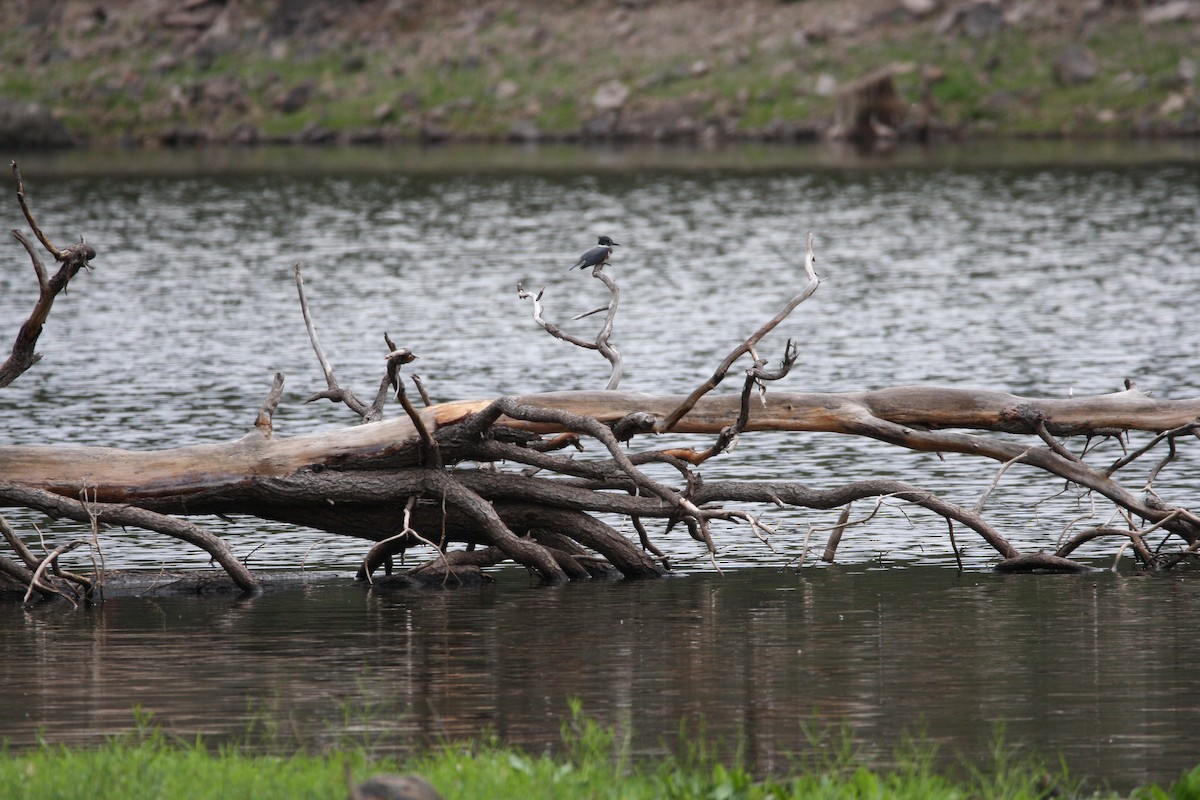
(378, 71)
(594, 765)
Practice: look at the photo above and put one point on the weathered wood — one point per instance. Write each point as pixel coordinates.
(124, 475)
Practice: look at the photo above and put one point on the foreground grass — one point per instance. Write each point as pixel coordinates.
(150, 765)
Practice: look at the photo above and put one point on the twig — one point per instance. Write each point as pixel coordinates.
(380, 549)
(804, 549)
(420, 384)
(672, 419)
(954, 544)
(755, 376)
(1054, 444)
(37, 230)
(600, 432)
(606, 348)
(335, 392)
(1193, 427)
(983, 498)
(47, 561)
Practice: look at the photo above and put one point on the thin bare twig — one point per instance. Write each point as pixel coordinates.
(335, 392)
(983, 498)
(1193, 427)
(47, 562)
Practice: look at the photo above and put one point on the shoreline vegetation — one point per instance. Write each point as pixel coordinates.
(157, 73)
(592, 762)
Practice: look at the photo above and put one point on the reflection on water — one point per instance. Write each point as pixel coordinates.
(1096, 668)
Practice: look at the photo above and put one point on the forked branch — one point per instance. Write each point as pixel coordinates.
(813, 282)
(73, 258)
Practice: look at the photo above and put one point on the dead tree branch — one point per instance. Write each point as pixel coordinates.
(55, 505)
(73, 258)
(602, 342)
(672, 419)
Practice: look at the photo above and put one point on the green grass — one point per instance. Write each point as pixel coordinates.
(595, 763)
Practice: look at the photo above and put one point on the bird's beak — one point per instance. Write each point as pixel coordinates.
(616, 244)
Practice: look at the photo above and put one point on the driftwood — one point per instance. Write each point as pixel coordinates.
(492, 475)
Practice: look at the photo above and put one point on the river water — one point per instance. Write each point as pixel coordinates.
(1045, 272)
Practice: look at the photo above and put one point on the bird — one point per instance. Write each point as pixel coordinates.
(596, 257)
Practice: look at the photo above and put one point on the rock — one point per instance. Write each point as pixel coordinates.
(30, 125)
(601, 126)
(182, 136)
(363, 136)
(506, 90)
(826, 86)
(1174, 103)
(383, 112)
(919, 8)
(245, 133)
(524, 130)
(983, 19)
(1175, 11)
(224, 92)
(610, 96)
(297, 97)
(1186, 71)
(1075, 65)
(395, 787)
(317, 134)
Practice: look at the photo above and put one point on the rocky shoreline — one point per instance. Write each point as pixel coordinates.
(153, 73)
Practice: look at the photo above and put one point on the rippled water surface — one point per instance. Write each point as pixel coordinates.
(1022, 275)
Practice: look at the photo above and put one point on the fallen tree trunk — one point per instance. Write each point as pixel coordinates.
(490, 473)
(903, 414)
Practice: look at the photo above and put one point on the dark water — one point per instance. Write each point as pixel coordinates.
(1097, 668)
(1044, 276)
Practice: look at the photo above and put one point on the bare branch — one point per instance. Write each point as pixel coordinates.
(399, 356)
(835, 535)
(334, 393)
(74, 258)
(747, 346)
(37, 230)
(601, 342)
(117, 514)
(262, 422)
(49, 560)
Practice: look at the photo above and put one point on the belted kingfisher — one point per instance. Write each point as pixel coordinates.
(597, 256)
